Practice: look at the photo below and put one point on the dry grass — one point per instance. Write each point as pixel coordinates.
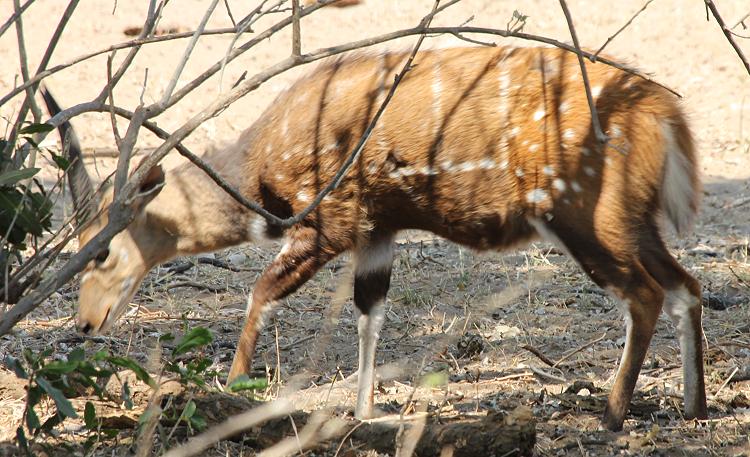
(444, 298)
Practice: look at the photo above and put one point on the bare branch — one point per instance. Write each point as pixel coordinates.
(229, 13)
(626, 25)
(110, 96)
(741, 21)
(24, 62)
(148, 27)
(296, 39)
(600, 136)
(16, 14)
(728, 33)
(188, 50)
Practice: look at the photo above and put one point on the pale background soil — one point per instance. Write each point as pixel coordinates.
(436, 284)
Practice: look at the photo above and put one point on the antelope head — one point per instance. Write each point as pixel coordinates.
(110, 280)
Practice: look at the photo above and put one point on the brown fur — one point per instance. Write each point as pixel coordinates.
(486, 147)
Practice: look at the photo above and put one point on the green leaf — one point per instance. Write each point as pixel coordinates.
(59, 367)
(243, 382)
(61, 162)
(132, 365)
(77, 355)
(15, 365)
(110, 432)
(36, 128)
(125, 395)
(194, 338)
(32, 420)
(34, 396)
(436, 379)
(50, 423)
(64, 406)
(23, 443)
(189, 410)
(13, 176)
(198, 422)
(89, 416)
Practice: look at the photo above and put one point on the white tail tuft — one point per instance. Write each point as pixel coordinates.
(681, 190)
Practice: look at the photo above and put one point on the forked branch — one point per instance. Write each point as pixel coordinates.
(728, 33)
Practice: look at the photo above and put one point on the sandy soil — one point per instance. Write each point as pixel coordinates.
(440, 292)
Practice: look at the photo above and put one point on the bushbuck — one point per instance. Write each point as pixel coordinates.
(486, 147)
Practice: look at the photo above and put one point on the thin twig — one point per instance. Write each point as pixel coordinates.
(600, 136)
(741, 21)
(296, 39)
(627, 24)
(726, 381)
(577, 350)
(16, 14)
(110, 96)
(11, 139)
(728, 33)
(196, 285)
(24, 62)
(186, 55)
(544, 374)
(539, 355)
(148, 26)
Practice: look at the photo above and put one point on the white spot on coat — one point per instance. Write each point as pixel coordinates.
(575, 186)
(589, 171)
(596, 91)
(569, 134)
(539, 114)
(563, 108)
(537, 196)
(559, 184)
(534, 147)
(519, 172)
(548, 170)
(303, 196)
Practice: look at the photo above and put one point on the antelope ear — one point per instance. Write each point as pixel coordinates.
(150, 187)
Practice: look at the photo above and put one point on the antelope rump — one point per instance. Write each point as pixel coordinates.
(486, 147)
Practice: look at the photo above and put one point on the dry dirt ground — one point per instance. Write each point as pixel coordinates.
(443, 297)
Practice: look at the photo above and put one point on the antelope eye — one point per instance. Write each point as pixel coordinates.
(102, 256)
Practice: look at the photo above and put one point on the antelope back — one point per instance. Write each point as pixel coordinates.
(476, 142)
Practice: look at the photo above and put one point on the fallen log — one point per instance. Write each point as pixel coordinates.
(497, 434)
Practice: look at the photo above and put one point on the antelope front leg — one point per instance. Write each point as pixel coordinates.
(300, 258)
(372, 278)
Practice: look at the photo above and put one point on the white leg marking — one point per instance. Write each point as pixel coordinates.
(677, 304)
(368, 328)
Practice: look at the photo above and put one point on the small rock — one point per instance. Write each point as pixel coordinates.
(469, 346)
(237, 259)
